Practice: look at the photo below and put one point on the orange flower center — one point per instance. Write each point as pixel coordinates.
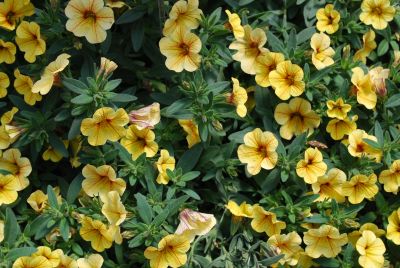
(290, 79)
(360, 148)
(263, 151)
(89, 15)
(253, 44)
(185, 49)
(377, 11)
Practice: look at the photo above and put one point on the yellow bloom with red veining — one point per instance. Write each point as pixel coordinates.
(359, 148)
(163, 163)
(106, 124)
(23, 85)
(4, 83)
(238, 97)
(32, 262)
(393, 228)
(235, 24)
(89, 19)
(338, 128)
(192, 131)
(390, 178)
(67, 262)
(377, 13)
(371, 250)
(9, 187)
(287, 80)
(328, 19)
(92, 261)
(363, 85)
(287, 244)
(369, 45)
(258, 151)
(378, 76)
(337, 109)
(329, 186)
(38, 201)
(355, 235)
(312, 166)
(97, 233)
(322, 52)
(360, 187)
(13, 10)
(137, 142)
(113, 209)
(146, 117)
(265, 221)
(20, 167)
(29, 41)
(184, 16)
(265, 64)
(7, 52)
(240, 211)
(53, 256)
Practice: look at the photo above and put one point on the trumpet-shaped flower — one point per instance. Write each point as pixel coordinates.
(138, 142)
(371, 250)
(9, 186)
(146, 117)
(265, 221)
(32, 262)
(112, 208)
(192, 131)
(360, 187)
(265, 64)
(322, 54)
(363, 85)
(194, 223)
(52, 256)
(20, 167)
(13, 10)
(312, 166)
(4, 83)
(369, 45)
(328, 19)
(355, 235)
(93, 261)
(337, 109)
(287, 244)
(29, 41)
(163, 163)
(97, 233)
(38, 201)
(393, 228)
(329, 186)
(238, 97)
(390, 178)
(338, 128)
(377, 13)
(287, 80)
(67, 262)
(7, 52)
(184, 16)
(235, 24)
(359, 148)
(244, 210)
(23, 85)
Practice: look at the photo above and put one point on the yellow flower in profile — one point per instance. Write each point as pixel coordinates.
(138, 142)
(182, 51)
(287, 244)
(377, 13)
(244, 210)
(115, 3)
(325, 241)
(337, 109)
(52, 256)
(369, 45)
(265, 221)
(249, 48)
(258, 151)
(93, 261)
(193, 223)
(329, 186)
(5, 139)
(4, 83)
(32, 262)
(390, 178)
(38, 201)
(13, 10)
(360, 187)
(338, 128)
(29, 41)
(146, 117)
(295, 117)
(101, 181)
(265, 64)
(7, 52)
(51, 75)
(322, 52)
(359, 148)
(235, 24)
(393, 228)
(238, 97)
(23, 85)
(171, 251)
(192, 131)
(106, 124)
(378, 76)
(371, 249)
(328, 19)
(163, 163)
(287, 80)
(312, 166)
(112, 208)
(52, 154)
(89, 19)
(107, 66)
(20, 167)
(363, 85)
(97, 233)
(9, 186)
(67, 262)
(355, 235)
(183, 17)
(7, 117)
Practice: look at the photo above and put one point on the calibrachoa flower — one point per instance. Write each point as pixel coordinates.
(106, 67)
(32, 262)
(377, 13)
(369, 45)
(52, 256)
(390, 178)
(235, 24)
(113, 209)
(29, 41)
(249, 48)
(20, 167)
(89, 19)
(328, 19)
(378, 76)
(355, 235)
(265, 221)
(192, 131)
(322, 54)
(265, 64)
(67, 262)
(138, 142)
(393, 228)
(359, 148)
(243, 211)
(115, 3)
(106, 124)
(238, 97)
(258, 151)
(287, 244)
(182, 51)
(312, 166)
(337, 109)
(163, 163)
(7, 52)
(363, 86)
(184, 16)
(360, 187)
(9, 187)
(325, 241)
(371, 250)
(287, 80)
(146, 117)
(338, 128)
(171, 251)
(92, 261)
(23, 85)
(13, 10)
(38, 201)
(97, 233)
(4, 83)
(193, 223)
(329, 186)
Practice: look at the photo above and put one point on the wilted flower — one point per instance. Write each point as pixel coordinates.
(378, 76)
(146, 117)
(106, 67)
(194, 223)
(92, 261)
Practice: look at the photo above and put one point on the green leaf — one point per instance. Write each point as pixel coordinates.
(15, 253)
(112, 84)
(217, 87)
(317, 218)
(82, 99)
(74, 85)
(11, 227)
(305, 35)
(191, 193)
(245, 2)
(75, 129)
(190, 158)
(379, 134)
(292, 41)
(64, 229)
(276, 44)
(58, 145)
(74, 188)
(372, 143)
(393, 101)
(177, 107)
(138, 240)
(383, 47)
(38, 224)
(160, 218)
(190, 176)
(137, 35)
(271, 260)
(121, 97)
(144, 209)
(52, 197)
(132, 15)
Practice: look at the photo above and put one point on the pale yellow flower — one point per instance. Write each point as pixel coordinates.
(322, 54)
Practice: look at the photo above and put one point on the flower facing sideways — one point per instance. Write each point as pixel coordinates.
(235, 24)
(238, 97)
(322, 54)
(192, 131)
(4, 83)
(184, 16)
(113, 209)
(360, 187)
(243, 211)
(287, 80)
(363, 86)
(328, 19)
(53, 256)
(265, 221)
(32, 262)
(371, 250)
(38, 201)
(355, 235)
(194, 223)
(338, 128)
(163, 163)
(393, 228)
(369, 45)
(312, 166)
(23, 85)
(287, 244)
(390, 178)
(138, 142)
(29, 41)
(97, 233)
(377, 13)
(7, 52)
(13, 10)
(146, 117)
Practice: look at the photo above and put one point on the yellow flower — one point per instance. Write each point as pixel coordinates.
(360, 187)
(287, 80)
(32, 262)
(363, 85)
(106, 67)
(265, 64)
(115, 3)
(146, 117)
(359, 148)
(258, 151)
(7, 117)
(13, 10)
(23, 85)
(287, 244)
(67, 262)
(295, 117)
(369, 44)
(328, 19)
(337, 109)
(29, 41)
(338, 128)
(112, 208)
(171, 251)
(391, 178)
(312, 166)
(377, 13)
(355, 235)
(194, 223)
(7, 52)
(97, 233)
(265, 221)
(101, 180)
(76, 145)
(325, 241)
(38, 201)
(393, 228)
(322, 54)
(20, 167)
(183, 17)
(106, 124)
(52, 154)
(329, 186)
(371, 249)
(249, 48)
(192, 131)
(9, 186)
(396, 58)
(138, 142)
(4, 83)
(244, 210)
(5, 139)
(89, 19)
(238, 97)
(52, 256)
(51, 75)
(235, 24)
(93, 261)
(378, 76)
(163, 163)
(182, 51)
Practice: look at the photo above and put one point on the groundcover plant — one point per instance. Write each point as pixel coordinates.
(197, 133)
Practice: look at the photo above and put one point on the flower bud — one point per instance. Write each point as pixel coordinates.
(106, 66)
